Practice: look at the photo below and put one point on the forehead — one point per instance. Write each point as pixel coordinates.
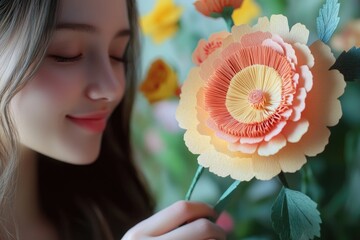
(100, 13)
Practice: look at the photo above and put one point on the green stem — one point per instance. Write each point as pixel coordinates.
(229, 23)
(196, 178)
(304, 179)
(283, 179)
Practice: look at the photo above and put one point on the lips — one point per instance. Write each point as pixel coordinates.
(93, 122)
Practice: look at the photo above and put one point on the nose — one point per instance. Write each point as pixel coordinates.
(106, 80)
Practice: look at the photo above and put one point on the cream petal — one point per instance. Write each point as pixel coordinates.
(279, 25)
(196, 142)
(315, 140)
(227, 41)
(221, 164)
(304, 55)
(299, 33)
(291, 158)
(335, 114)
(263, 24)
(273, 146)
(327, 87)
(227, 137)
(265, 168)
(239, 31)
(188, 100)
(244, 148)
(293, 131)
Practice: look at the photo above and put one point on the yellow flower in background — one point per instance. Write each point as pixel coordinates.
(247, 12)
(162, 22)
(161, 82)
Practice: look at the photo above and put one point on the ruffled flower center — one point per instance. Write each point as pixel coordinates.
(250, 91)
(257, 99)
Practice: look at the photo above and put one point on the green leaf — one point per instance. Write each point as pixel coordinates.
(348, 63)
(328, 20)
(294, 216)
(225, 198)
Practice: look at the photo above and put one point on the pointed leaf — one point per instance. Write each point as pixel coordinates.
(348, 63)
(294, 216)
(225, 198)
(328, 20)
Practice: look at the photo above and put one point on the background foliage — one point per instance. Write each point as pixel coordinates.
(333, 177)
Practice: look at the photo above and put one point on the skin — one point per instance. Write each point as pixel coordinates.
(83, 73)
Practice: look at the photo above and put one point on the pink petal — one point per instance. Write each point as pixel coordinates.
(254, 39)
(251, 140)
(227, 137)
(277, 129)
(274, 45)
(306, 77)
(244, 148)
(298, 104)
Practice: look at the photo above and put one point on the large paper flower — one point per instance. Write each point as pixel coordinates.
(261, 102)
(207, 7)
(160, 83)
(163, 22)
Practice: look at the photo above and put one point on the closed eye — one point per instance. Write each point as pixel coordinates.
(119, 59)
(66, 59)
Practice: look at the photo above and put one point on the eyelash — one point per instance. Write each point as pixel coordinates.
(62, 59)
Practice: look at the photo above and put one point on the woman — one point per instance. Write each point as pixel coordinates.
(65, 113)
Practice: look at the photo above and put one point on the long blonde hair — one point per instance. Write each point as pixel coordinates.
(85, 208)
(23, 41)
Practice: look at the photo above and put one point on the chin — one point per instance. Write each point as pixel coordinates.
(77, 157)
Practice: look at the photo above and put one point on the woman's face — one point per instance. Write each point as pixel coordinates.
(62, 112)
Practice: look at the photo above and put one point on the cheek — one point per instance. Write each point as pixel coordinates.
(56, 86)
(40, 110)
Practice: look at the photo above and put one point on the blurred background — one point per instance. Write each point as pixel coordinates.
(333, 178)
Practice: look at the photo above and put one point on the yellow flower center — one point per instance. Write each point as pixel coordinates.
(254, 94)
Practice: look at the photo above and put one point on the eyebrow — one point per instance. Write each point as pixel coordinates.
(82, 27)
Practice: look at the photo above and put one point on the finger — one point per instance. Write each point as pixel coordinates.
(176, 215)
(200, 229)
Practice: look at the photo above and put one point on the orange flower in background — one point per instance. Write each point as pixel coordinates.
(261, 102)
(163, 22)
(348, 37)
(205, 48)
(207, 7)
(161, 82)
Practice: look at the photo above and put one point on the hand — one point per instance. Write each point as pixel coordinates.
(181, 221)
